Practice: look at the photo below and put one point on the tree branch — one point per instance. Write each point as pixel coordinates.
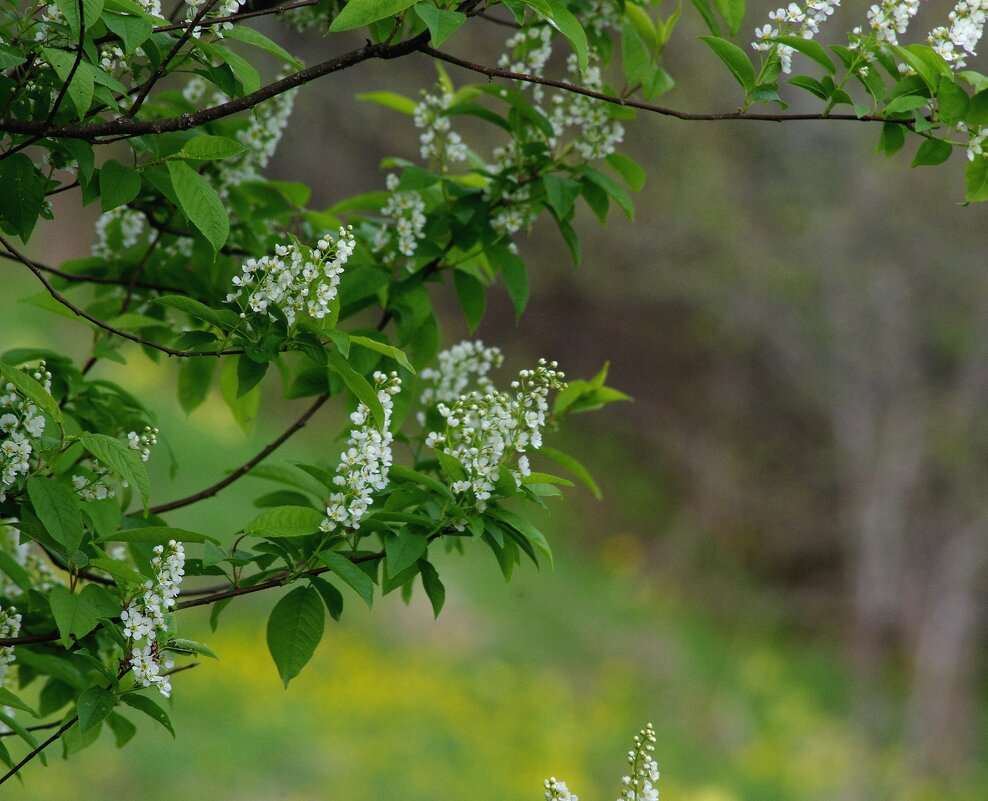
(96, 279)
(245, 468)
(99, 323)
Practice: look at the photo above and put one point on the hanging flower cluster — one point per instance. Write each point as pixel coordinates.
(21, 424)
(793, 20)
(438, 141)
(10, 626)
(890, 18)
(364, 465)
(967, 23)
(144, 617)
(458, 366)
(298, 280)
(117, 229)
(484, 431)
(597, 134)
(407, 211)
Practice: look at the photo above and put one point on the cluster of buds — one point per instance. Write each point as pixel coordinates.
(143, 442)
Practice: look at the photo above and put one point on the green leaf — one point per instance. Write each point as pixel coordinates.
(15, 572)
(613, 189)
(976, 176)
(159, 535)
(358, 580)
(406, 474)
(27, 385)
(390, 100)
(144, 704)
(404, 549)
(91, 10)
(810, 49)
(357, 13)
(262, 42)
(121, 571)
(707, 13)
(383, 348)
(733, 13)
(932, 152)
(441, 23)
(78, 614)
(926, 62)
(330, 596)
(191, 647)
(7, 698)
(294, 629)
(526, 529)
(10, 57)
(434, 588)
(221, 318)
(575, 467)
(80, 90)
(905, 103)
(472, 297)
(200, 203)
(630, 171)
(285, 521)
(123, 730)
(515, 275)
(57, 507)
(195, 376)
(811, 85)
(561, 193)
(952, 102)
(121, 459)
(249, 374)
(736, 60)
(892, 138)
(977, 112)
(560, 18)
(23, 195)
(357, 384)
(209, 148)
(293, 476)
(94, 705)
(132, 30)
(118, 184)
(243, 407)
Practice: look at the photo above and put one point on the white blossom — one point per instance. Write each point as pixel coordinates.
(793, 20)
(406, 209)
(890, 18)
(640, 784)
(117, 229)
(10, 626)
(485, 431)
(21, 426)
(437, 140)
(298, 280)
(365, 461)
(556, 790)
(144, 617)
(143, 442)
(458, 366)
(597, 134)
(960, 38)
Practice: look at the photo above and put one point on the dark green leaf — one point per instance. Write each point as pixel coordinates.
(121, 459)
(404, 549)
(434, 588)
(294, 629)
(149, 708)
(932, 152)
(57, 507)
(351, 574)
(23, 194)
(736, 60)
(200, 203)
(118, 184)
(94, 705)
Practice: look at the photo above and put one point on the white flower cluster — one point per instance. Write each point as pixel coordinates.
(144, 617)
(297, 279)
(438, 141)
(967, 23)
(527, 51)
(41, 575)
(484, 431)
(225, 8)
(792, 20)
(117, 229)
(975, 141)
(517, 213)
(457, 366)
(143, 442)
(890, 18)
(640, 785)
(94, 487)
(21, 424)
(407, 211)
(10, 626)
(598, 135)
(556, 790)
(364, 465)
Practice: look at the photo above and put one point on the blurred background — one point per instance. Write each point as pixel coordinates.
(787, 574)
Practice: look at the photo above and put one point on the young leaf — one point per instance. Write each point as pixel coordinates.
(285, 521)
(390, 100)
(294, 629)
(383, 348)
(357, 13)
(207, 148)
(932, 152)
(441, 23)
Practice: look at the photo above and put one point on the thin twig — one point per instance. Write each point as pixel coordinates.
(245, 468)
(96, 279)
(185, 354)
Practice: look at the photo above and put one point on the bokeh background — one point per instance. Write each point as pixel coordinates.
(787, 572)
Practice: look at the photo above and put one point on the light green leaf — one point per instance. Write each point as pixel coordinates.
(357, 13)
(121, 571)
(357, 384)
(57, 507)
(221, 318)
(441, 23)
(244, 408)
(132, 30)
(526, 529)
(259, 40)
(190, 647)
(200, 203)
(294, 629)
(207, 148)
(159, 535)
(562, 19)
(28, 386)
(78, 614)
(149, 708)
(7, 698)
(810, 49)
(285, 521)
(932, 152)
(404, 549)
(575, 467)
(387, 350)
(390, 100)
